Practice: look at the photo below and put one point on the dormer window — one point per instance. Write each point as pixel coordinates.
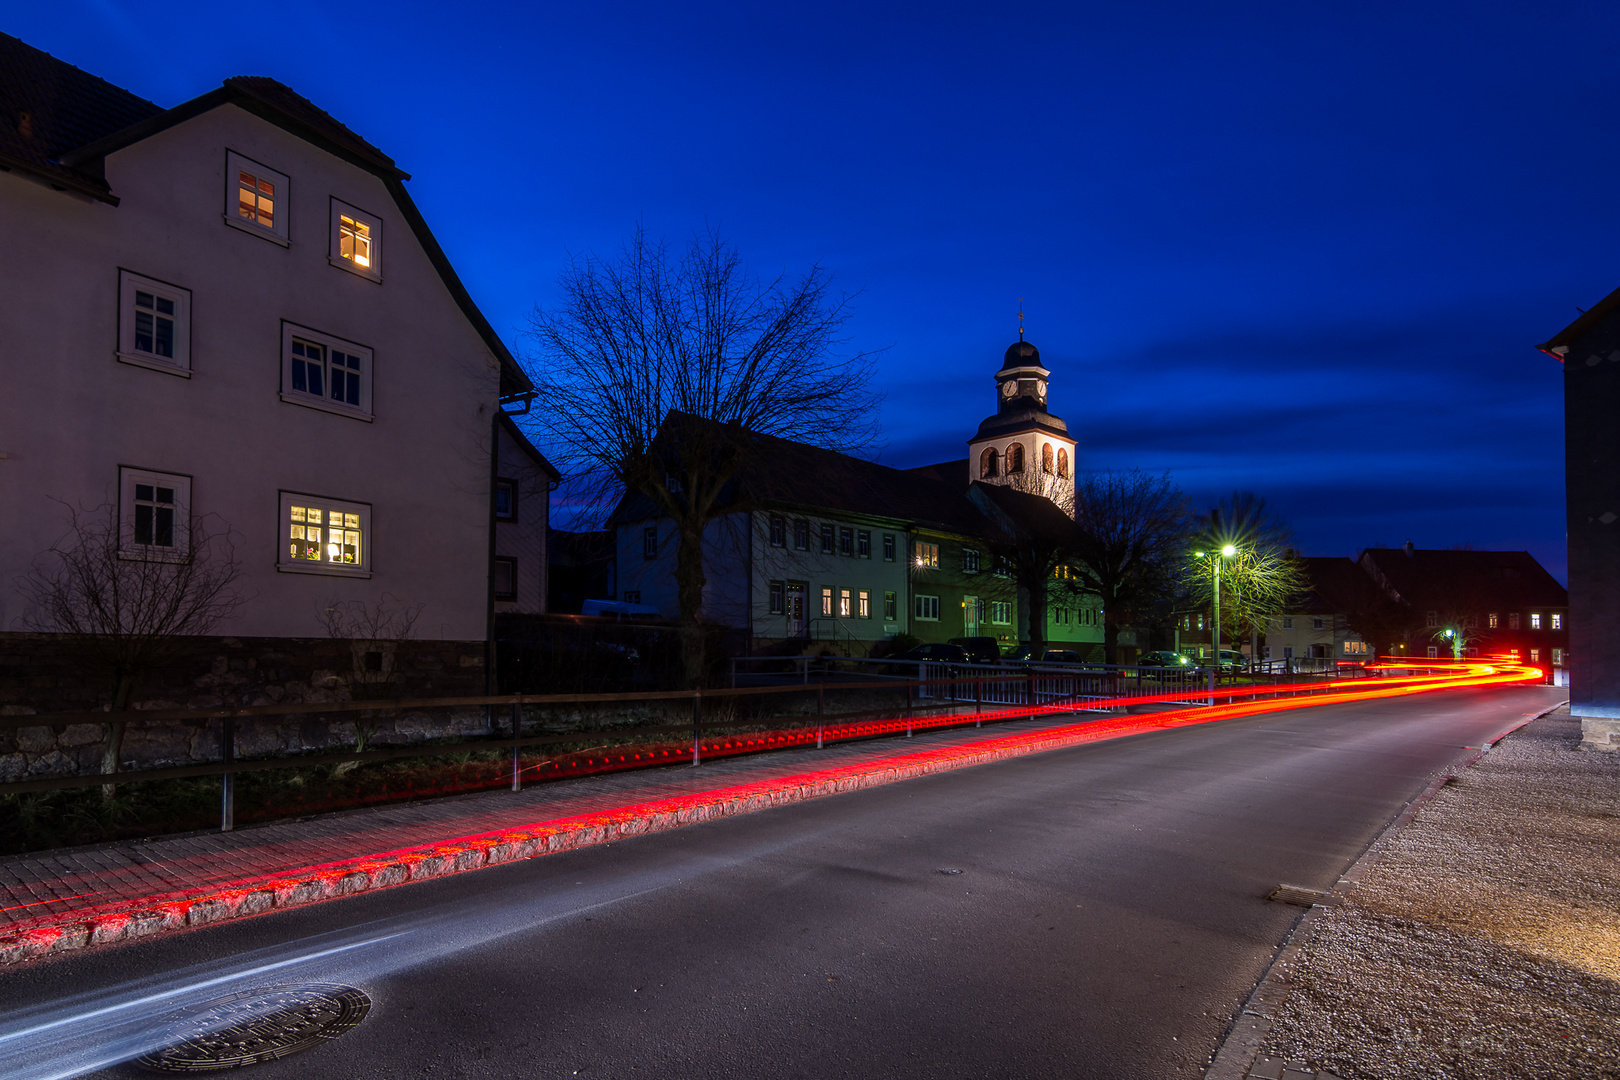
(356, 241)
(255, 198)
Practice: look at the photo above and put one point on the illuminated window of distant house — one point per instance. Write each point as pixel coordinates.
(801, 535)
(843, 603)
(255, 198)
(506, 500)
(826, 601)
(505, 579)
(1557, 620)
(970, 561)
(989, 463)
(1558, 657)
(1063, 462)
(1490, 620)
(1200, 622)
(1015, 458)
(846, 543)
(777, 590)
(154, 324)
(888, 547)
(356, 241)
(891, 610)
(828, 540)
(927, 608)
(1046, 457)
(927, 555)
(1535, 656)
(1535, 620)
(778, 531)
(324, 536)
(863, 545)
(325, 372)
(1513, 620)
(649, 542)
(863, 604)
(153, 513)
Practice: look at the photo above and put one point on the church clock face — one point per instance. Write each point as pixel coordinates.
(1009, 388)
(1040, 390)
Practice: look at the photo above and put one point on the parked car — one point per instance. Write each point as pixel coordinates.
(1166, 659)
(1231, 662)
(1024, 654)
(935, 652)
(981, 650)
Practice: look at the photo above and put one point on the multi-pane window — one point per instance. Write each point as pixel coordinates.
(155, 507)
(777, 591)
(843, 603)
(1287, 622)
(506, 500)
(1513, 620)
(356, 240)
(826, 600)
(1434, 651)
(846, 542)
(1490, 620)
(864, 604)
(891, 609)
(828, 540)
(927, 608)
(927, 555)
(1557, 620)
(1001, 612)
(863, 544)
(970, 561)
(801, 535)
(1558, 657)
(255, 198)
(1431, 618)
(1316, 624)
(633, 596)
(888, 547)
(1535, 620)
(778, 531)
(323, 534)
(154, 324)
(649, 542)
(153, 513)
(325, 371)
(1535, 656)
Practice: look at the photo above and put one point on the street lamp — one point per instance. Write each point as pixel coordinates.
(1228, 551)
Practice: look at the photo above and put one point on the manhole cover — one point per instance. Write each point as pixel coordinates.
(1297, 895)
(257, 1025)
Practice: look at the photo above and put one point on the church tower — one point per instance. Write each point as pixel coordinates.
(1022, 445)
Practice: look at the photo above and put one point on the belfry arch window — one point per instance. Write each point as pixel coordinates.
(1046, 457)
(1063, 462)
(989, 462)
(1015, 458)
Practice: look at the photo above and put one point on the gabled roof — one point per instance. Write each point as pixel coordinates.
(1026, 514)
(510, 427)
(60, 123)
(1580, 327)
(49, 107)
(1429, 579)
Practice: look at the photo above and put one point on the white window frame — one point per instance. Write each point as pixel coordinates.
(323, 401)
(289, 565)
(927, 555)
(334, 254)
(512, 578)
(235, 165)
(925, 603)
(128, 477)
(130, 283)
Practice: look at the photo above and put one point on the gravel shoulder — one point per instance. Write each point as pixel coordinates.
(1483, 941)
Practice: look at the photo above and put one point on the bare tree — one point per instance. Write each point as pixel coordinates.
(1131, 539)
(1033, 541)
(126, 600)
(1262, 579)
(653, 367)
(374, 633)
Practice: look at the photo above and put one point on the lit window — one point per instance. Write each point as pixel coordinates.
(776, 597)
(153, 513)
(1558, 657)
(846, 543)
(1557, 620)
(505, 579)
(826, 601)
(324, 536)
(801, 535)
(888, 547)
(970, 561)
(778, 531)
(1535, 656)
(1513, 620)
(325, 372)
(828, 540)
(863, 544)
(356, 241)
(1535, 620)
(890, 608)
(154, 324)
(927, 608)
(927, 554)
(255, 198)
(843, 603)
(1063, 462)
(1200, 621)
(864, 604)
(649, 542)
(1490, 620)
(506, 500)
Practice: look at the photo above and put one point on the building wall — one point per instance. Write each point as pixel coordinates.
(817, 571)
(652, 581)
(72, 413)
(523, 539)
(954, 584)
(1592, 478)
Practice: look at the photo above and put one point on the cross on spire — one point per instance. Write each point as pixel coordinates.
(1020, 318)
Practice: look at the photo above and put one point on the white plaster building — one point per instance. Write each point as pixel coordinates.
(1022, 445)
(233, 309)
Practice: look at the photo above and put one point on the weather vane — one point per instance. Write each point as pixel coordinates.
(1020, 318)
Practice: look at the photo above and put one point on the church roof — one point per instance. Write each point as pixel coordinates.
(1022, 417)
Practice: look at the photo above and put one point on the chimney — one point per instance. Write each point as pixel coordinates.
(1407, 547)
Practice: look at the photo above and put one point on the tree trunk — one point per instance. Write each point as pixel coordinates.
(689, 581)
(1110, 641)
(1036, 618)
(112, 746)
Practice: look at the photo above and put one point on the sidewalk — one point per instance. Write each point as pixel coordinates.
(69, 899)
(1479, 938)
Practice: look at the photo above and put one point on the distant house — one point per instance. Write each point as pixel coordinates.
(233, 310)
(1318, 626)
(1589, 349)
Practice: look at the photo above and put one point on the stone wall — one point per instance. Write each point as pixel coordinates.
(1600, 732)
(40, 675)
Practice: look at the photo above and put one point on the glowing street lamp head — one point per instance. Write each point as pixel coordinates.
(1229, 550)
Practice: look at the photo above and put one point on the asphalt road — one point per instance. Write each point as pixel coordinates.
(1091, 912)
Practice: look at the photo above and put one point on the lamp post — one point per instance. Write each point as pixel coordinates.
(1228, 551)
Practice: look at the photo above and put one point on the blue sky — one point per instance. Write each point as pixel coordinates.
(1303, 249)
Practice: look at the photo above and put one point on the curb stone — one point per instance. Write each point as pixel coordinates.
(1238, 1056)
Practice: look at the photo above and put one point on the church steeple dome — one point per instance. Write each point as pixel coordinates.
(1021, 444)
(1021, 377)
